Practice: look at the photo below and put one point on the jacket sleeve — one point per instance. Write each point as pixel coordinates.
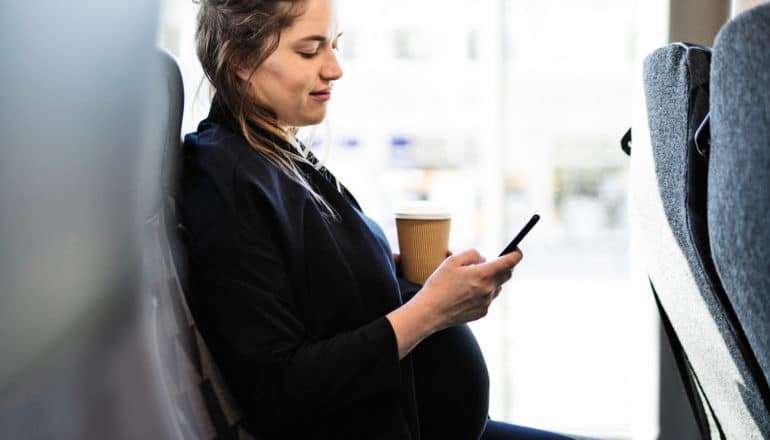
(252, 312)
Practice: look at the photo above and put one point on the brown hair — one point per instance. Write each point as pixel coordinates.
(234, 33)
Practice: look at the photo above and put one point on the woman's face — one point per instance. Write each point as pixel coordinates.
(295, 81)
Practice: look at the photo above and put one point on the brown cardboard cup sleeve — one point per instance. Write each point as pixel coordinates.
(423, 238)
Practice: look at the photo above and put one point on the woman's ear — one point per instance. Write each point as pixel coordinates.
(243, 74)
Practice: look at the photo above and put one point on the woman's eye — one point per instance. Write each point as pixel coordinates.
(307, 54)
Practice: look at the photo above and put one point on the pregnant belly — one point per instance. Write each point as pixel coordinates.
(452, 385)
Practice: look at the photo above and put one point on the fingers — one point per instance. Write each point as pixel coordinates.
(466, 258)
(501, 278)
(493, 273)
(495, 293)
(516, 256)
(505, 262)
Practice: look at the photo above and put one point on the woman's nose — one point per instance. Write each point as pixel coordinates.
(331, 69)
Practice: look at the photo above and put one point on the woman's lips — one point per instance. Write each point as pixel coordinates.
(323, 95)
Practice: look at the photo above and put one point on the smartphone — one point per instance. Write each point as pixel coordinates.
(520, 236)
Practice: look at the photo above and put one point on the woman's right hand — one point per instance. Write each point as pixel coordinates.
(459, 291)
(462, 288)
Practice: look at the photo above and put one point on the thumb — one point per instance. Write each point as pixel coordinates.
(507, 261)
(466, 258)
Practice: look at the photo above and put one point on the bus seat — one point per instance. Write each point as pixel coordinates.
(739, 176)
(76, 354)
(200, 402)
(716, 356)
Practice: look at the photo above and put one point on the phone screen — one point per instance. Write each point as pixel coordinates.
(520, 236)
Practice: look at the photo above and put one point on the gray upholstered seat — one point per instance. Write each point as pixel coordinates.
(697, 200)
(76, 355)
(739, 173)
(198, 398)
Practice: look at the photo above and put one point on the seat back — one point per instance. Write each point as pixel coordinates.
(716, 358)
(739, 178)
(201, 405)
(76, 355)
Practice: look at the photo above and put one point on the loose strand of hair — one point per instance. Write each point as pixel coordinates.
(286, 162)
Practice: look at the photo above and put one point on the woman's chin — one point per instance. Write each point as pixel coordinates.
(315, 120)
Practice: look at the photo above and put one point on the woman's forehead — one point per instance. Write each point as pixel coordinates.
(319, 18)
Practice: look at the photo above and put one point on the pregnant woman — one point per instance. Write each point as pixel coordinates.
(294, 288)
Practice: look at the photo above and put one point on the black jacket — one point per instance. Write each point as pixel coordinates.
(293, 305)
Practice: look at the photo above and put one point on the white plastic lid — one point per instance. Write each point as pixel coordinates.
(422, 210)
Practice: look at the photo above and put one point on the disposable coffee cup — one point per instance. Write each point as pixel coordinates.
(423, 237)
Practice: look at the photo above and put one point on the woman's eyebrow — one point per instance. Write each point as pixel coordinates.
(320, 38)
